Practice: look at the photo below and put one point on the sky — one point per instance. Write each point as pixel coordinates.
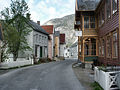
(44, 10)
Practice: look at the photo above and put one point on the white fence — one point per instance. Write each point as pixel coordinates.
(17, 63)
(107, 80)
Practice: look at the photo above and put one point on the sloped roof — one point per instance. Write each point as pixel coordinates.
(62, 38)
(0, 34)
(48, 28)
(37, 27)
(87, 4)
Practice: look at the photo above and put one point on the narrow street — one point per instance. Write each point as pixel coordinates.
(51, 76)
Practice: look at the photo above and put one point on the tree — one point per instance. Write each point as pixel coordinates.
(15, 27)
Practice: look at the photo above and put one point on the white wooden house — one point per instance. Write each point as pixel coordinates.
(38, 42)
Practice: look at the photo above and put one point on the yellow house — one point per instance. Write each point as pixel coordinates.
(57, 43)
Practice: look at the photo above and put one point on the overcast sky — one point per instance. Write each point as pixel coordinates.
(44, 10)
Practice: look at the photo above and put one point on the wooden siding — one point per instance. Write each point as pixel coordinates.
(109, 26)
(90, 33)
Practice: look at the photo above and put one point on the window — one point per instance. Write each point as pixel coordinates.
(90, 46)
(36, 38)
(100, 48)
(93, 42)
(103, 51)
(99, 19)
(108, 47)
(89, 22)
(108, 8)
(39, 38)
(86, 22)
(115, 49)
(42, 39)
(114, 6)
(45, 41)
(92, 22)
(103, 15)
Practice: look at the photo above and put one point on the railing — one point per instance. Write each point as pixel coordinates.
(107, 80)
(90, 32)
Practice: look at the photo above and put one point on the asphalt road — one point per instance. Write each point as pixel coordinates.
(51, 76)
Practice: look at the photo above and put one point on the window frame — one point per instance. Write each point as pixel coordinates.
(108, 44)
(100, 48)
(90, 22)
(108, 8)
(114, 7)
(116, 41)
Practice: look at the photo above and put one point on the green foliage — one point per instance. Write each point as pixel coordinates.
(103, 68)
(15, 27)
(96, 86)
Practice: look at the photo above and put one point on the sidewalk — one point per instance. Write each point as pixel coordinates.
(3, 71)
(85, 76)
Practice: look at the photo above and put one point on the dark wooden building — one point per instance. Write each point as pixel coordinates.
(99, 22)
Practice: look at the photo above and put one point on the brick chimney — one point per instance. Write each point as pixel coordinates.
(38, 22)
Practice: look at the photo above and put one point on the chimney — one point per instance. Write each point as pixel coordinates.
(38, 22)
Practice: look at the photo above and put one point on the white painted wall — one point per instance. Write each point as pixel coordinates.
(67, 53)
(62, 49)
(74, 52)
(42, 41)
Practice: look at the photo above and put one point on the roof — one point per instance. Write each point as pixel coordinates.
(0, 34)
(37, 27)
(48, 28)
(62, 38)
(87, 4)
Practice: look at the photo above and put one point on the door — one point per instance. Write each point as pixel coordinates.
(41, 52)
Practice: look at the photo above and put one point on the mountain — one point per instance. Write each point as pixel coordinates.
(65, 25)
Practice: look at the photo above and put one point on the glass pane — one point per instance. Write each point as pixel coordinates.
(114, 6)
(92, 19)
(108, 6)
(92, 25)
(103, 15)
(86, 22)
(115, 50)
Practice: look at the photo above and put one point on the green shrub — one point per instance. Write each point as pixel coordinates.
(96, 86)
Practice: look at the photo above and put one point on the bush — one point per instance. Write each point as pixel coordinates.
(44, 60)
(96, 86)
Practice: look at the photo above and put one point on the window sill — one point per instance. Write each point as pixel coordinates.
(114, 57)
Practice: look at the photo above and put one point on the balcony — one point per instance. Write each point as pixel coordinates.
(90, 32)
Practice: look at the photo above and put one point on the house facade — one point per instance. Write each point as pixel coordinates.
(99, 22)
(62, 45)
(38, 40)
(74, 50)
(50, 30)
(57, 44)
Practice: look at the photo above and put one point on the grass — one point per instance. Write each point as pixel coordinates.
(96, 86)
